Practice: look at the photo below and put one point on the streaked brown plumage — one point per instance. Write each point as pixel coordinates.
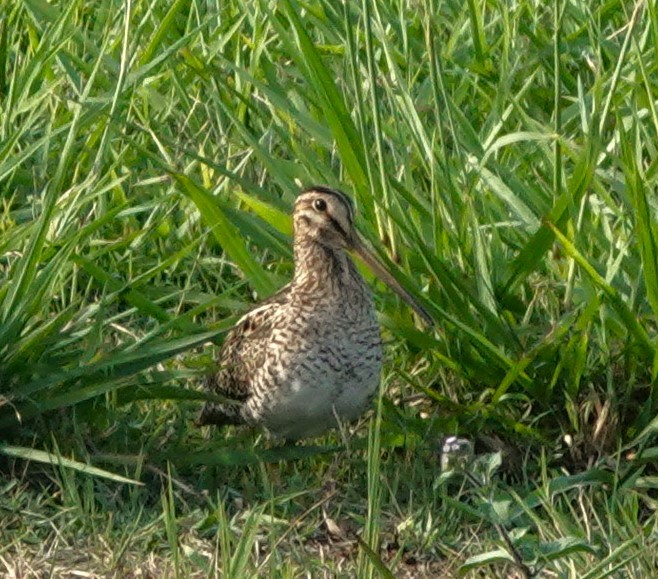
(311, 354)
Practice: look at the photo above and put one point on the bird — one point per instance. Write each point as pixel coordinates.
(309, 357)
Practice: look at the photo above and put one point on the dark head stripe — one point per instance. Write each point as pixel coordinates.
(336, 193)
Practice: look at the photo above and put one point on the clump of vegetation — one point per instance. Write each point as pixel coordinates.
(503, 156)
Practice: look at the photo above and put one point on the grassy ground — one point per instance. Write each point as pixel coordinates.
(502, 157)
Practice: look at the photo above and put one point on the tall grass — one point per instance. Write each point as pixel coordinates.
(149, 156)
(501, 155)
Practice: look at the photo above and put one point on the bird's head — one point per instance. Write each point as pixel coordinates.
(326, 216)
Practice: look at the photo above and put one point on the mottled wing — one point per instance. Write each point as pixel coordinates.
(241, 354)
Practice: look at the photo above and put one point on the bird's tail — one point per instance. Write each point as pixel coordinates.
(219, 415)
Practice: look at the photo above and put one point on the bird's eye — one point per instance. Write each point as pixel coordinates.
(320, 205)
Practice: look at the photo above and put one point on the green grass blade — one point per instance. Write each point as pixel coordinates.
(632, 325)
(321, 81)
(44, 457)
(226, 235)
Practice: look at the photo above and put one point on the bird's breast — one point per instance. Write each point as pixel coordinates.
(324, 369)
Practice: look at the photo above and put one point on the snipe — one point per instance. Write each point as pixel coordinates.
(311, 354)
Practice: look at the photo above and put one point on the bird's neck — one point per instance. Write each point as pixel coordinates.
(320, 269)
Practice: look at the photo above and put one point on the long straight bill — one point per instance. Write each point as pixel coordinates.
(382, 273)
